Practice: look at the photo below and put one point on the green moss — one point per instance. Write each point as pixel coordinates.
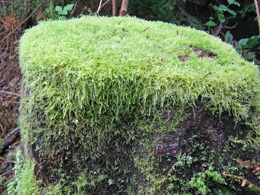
(96, 85)
(24, 181)
(91, 65)
(203, 181)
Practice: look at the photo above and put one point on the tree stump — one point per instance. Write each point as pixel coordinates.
(126, 106)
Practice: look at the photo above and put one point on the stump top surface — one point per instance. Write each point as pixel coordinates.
(140, 59)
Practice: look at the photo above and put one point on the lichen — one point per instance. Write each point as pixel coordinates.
(94, 88)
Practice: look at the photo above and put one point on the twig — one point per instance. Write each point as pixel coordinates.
(9, 161)
(229, 27)
(11, 137)
(74, 8)
(22, 22)
(218, 30)
(3, 130)
(6, 92)
(113, 7)
(146, 28)
(10, 102)
(104, 4)
(258, 15)
(220, 26)
(101, 5)
(2, 159)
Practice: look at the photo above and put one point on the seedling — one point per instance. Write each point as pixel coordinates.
(221, 10)
(63, 12)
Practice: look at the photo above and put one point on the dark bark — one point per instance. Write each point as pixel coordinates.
(124, 6)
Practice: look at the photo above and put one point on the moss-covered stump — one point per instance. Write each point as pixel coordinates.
(127, 106)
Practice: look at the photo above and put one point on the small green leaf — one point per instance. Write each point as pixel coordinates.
(228, 37)
(249, 42)
(63, 12)
(223, 8)
(253, 41)
(211, 23)
(221, 17)
(233, 2)
(232, 12)
(218, 9)
(69, 7)
(58, 8)
(242, 43)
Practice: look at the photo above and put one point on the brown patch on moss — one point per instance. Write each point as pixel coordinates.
(183, 58)
(201, 54)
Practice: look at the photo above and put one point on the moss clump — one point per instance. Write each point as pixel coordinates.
(95, 87)
(24, 181)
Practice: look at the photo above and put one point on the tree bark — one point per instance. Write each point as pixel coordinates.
(123, 10)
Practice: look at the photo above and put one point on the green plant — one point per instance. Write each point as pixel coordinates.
(243, 45)
(221, 11)
(248, 43)
(205, 181)
(63, 12)
(216, 28)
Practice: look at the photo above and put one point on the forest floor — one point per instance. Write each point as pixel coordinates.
(10, 84)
